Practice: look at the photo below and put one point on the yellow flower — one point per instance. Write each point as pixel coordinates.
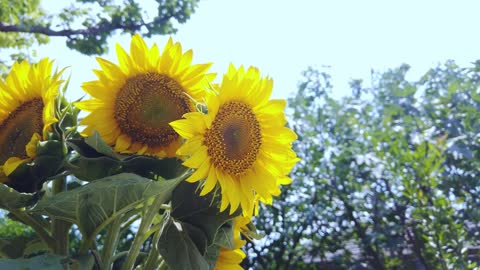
(27, 111)
(133, 102)
(241, 143)
(230, 259)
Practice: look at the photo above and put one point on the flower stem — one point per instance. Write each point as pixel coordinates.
(60, 228)
(162, 265)
(153, 256)
(37, 227)
(149, 213)
(111, 243)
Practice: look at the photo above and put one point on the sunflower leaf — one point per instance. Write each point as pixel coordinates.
(89, 164)
(145, 166)
(252, 232)
(178, 248)
(213, 251)
(21, 246)
(12, 199)
(224, 236)
(96, 204)
(223, 239)
(42, 262)
(201, 211)
(96, 142)
(90, 169)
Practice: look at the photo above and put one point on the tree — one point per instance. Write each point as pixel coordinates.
(86, 24)
(388, 177)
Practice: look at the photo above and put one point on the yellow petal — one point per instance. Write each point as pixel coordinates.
(138, 51)
(197, 159)
(280, 134)
(229, 186)
(12, 163)
(185, 128)
(190, 146)
(210, 182)
(31, 147)
(124, 60)
(123, 143)
(201, 172)
(273, 107)
(111, 70)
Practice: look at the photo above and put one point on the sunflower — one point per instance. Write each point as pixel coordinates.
(133, 102)
(27, 111)
(241, 143)
(230, 259)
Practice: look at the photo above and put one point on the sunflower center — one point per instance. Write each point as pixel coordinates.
(18, 128)
(234, 139)
(146, 104)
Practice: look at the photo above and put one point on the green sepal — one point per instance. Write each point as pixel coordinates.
(29, 176)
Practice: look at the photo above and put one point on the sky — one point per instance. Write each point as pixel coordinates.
(283, 38)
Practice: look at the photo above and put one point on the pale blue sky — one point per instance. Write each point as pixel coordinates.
(283, 38)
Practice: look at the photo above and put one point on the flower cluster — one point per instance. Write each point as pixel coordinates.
(230, 134)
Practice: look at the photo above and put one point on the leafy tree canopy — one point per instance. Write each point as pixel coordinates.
(86, 24)
(389, 177)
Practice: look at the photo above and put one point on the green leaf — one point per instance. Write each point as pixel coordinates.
(100, 146)
(223, 239)
(96, 204)
(34, 247)
(86, 261)
(201, 211)
(178, 249)
(89, 163)
(90, 169)
(252, 233)
(20, 246)
(147, 166)
(12, 199)
(474, 95)
(42, 262)
(224, 236)
(82, 148)
(198, 237)
(212, 255)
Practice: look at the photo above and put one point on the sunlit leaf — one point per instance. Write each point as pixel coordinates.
(94, 205)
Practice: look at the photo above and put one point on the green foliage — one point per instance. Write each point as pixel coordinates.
(29, 177)
(103, 161)
(16, 12)
(195, 230)
(42, 262)
(179, 246)
(201, 212)
(93, 206)
(87, 25)
(10, 228)
(388, 177)
(12, 199)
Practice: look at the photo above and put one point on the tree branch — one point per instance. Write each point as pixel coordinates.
(37, 29)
